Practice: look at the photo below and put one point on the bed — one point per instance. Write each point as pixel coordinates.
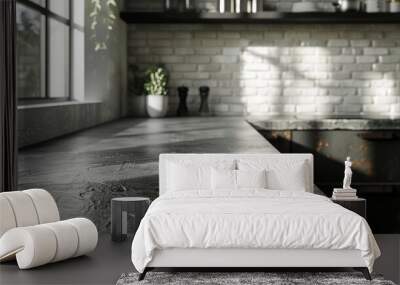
(247, 211)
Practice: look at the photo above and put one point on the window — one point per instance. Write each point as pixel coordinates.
(31, 61)
(50, 49)
(60, 7)
(59, 59)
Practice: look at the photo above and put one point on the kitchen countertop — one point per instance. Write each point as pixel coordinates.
(324, 123)
(85, 170)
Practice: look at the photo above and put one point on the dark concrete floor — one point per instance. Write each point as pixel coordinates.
(110, 259)
(103, 266)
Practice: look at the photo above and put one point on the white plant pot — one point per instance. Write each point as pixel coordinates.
(156, 105)
(394, 7)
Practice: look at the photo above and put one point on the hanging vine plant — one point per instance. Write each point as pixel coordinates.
(103, 17)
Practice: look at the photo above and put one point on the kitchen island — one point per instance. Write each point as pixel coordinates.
(372, 142)
(325, 123)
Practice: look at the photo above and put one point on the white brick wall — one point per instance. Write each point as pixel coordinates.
(262, 69)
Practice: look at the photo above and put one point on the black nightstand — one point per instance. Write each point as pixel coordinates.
(126, 214)
(358, 206)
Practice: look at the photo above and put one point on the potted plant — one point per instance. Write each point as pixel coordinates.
(155, 88)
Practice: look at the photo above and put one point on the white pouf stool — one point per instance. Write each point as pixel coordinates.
(31, 231)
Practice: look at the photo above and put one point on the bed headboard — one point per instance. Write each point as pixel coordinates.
(165, 157)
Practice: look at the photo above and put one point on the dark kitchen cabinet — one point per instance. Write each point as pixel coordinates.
(376, 166)
(375, 154)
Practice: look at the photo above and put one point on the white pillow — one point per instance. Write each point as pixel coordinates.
(187, 175)
(223, 179)
(231, 180)
(183, 178)
(282, 174)
(251, 179)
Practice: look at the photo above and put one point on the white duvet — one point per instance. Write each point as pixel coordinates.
(250, 219)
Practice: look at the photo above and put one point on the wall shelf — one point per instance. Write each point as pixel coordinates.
(260, 18)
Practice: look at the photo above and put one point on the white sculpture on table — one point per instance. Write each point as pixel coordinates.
(345, 193)
(347, 174)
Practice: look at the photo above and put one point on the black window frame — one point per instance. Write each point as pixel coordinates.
(71, 25)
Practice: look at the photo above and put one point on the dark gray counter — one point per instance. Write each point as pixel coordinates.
(85, 170)
(320, 123)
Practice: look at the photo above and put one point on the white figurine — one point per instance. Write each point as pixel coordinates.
(347, 174)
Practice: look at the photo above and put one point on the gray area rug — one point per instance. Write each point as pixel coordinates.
(269, 278)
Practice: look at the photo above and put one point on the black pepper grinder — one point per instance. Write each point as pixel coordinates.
(182, 107)
(204, 109)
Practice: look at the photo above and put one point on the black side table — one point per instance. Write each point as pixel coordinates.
(126, 214)
(358, 206)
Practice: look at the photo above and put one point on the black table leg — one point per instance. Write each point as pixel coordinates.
(143, 274)
(364, 271)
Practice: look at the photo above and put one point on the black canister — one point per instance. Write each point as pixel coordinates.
(182, 107)
(204, 109)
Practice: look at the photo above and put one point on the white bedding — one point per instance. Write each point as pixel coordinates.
(250, 219)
